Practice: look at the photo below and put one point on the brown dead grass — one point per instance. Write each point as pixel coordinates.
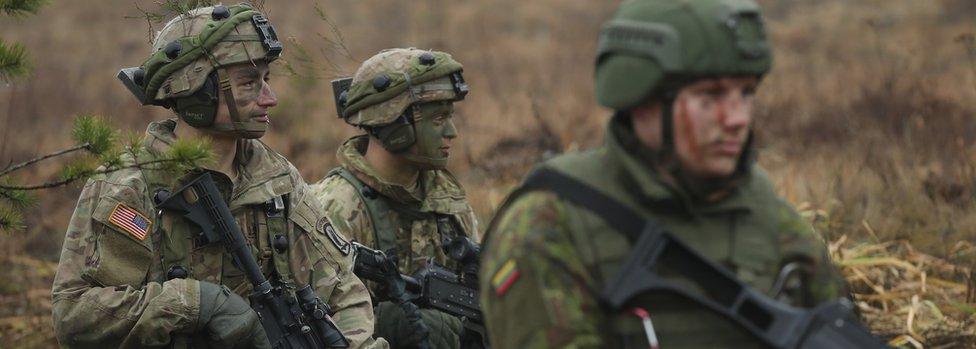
(866, 122)
(911, 298)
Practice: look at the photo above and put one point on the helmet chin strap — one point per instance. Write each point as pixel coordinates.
(666, 155)
(243, 128)
(667, 124)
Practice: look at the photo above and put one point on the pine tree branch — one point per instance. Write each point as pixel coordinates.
(65, 181)
(42, 158)
(21, 7)
(13, 60)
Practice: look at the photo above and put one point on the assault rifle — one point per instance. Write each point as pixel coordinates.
(434, 286)
(290, 322)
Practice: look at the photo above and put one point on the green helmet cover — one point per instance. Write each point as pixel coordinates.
(205, 44)
(653, 46)
(394, 79)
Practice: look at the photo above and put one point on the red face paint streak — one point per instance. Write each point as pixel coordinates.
(686, 127)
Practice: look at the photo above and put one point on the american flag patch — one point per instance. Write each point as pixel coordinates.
(131, 221)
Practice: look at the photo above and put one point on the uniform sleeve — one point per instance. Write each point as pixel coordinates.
(801, 242)
(350, 303)
(346, 294)
(534, 292)
(470, 222)
(347, 211)
(97, 298)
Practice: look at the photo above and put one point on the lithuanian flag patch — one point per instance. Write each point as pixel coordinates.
(505, 277)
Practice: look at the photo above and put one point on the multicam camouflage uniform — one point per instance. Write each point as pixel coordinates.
(407, 218)
(547, 260)
(114, 288)
(415, 240)
(132, 277)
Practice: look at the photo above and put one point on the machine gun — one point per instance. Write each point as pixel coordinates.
(290, 322)
(434, 286)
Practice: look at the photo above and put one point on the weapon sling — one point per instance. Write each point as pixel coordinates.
(829, 325)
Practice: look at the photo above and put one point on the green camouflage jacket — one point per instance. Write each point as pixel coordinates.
(112, 287)
(547, 260)
(416, 240)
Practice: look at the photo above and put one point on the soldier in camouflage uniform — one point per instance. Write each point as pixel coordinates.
(392, 190)
(134, 277)
(681, 77)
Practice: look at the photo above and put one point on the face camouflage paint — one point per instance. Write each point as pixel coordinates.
(434, 131)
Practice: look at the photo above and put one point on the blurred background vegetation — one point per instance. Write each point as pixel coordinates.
(866, 122)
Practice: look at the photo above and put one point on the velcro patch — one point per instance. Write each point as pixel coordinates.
(340, 243)
(131, 221)
(505, 277)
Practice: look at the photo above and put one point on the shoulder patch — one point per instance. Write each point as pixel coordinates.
(131, 221)
(505, 277)
(325, 227)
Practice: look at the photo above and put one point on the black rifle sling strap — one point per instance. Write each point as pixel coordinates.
(618, 216)
(680, 259)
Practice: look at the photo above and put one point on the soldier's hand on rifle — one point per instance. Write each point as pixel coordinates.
(228, 320)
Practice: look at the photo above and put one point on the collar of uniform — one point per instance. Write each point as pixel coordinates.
(438, 191)
(264, 174)
(653, 187)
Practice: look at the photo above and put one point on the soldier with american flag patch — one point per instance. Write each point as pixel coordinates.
(132, 276)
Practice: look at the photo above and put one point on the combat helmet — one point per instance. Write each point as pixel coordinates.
(185, 70)
(384, 93)
(653, 47)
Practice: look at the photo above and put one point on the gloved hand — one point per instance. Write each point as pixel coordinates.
(418, 337)
(440, 330)
(228, 321)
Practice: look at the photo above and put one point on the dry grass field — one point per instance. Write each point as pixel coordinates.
(866, 124)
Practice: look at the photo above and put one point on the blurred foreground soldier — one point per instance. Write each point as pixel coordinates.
(393, 192)
(677, 157)
(134, 276)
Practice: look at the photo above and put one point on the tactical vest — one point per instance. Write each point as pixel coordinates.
(181, 254)
(380, 211)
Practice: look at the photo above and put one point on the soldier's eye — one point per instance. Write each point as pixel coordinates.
(716, 92)
(749, 90)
